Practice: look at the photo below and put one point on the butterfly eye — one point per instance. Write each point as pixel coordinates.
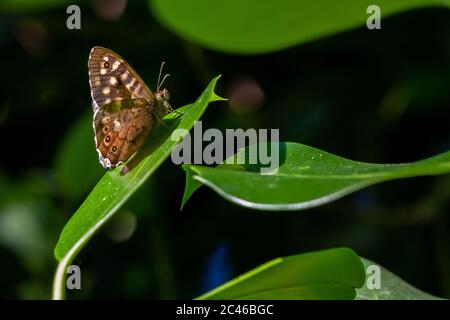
(166, 94)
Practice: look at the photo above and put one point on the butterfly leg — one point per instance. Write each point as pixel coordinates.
(177, 112)
(160, 120)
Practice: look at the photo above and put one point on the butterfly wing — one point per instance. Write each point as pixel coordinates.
(121, 129)
(122, 105)
(112, 79)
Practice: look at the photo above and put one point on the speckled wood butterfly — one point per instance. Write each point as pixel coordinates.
(125, 109)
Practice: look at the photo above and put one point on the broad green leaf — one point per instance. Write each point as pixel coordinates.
(254, 26)
(328, 274)
(391, 287)
(307, 177)
(114, 189)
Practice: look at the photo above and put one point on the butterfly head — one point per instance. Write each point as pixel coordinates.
(162, 97)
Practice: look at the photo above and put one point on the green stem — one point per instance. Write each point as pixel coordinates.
(59, 288)
(59, 281)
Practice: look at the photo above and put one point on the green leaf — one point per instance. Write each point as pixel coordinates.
(254, 26)
(114, 189)
(391, 287)
(190, 186)
(328, 274)
(307, 177)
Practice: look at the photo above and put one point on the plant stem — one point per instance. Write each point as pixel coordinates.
(59, 290)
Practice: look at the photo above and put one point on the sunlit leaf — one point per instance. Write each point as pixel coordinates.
(307, 177)
(328, 274)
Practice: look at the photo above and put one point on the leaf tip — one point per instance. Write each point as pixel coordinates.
(214, 96)
(190, 185)
(183, 202)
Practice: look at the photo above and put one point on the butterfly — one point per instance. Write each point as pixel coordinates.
(125, 110)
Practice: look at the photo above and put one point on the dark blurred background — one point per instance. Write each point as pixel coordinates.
(371, 96)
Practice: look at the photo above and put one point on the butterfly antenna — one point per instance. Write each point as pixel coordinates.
(159, 76)
(165, 77)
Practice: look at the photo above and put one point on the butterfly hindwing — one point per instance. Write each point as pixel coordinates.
(120, 130)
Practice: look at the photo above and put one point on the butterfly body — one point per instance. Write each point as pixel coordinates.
(125, 110)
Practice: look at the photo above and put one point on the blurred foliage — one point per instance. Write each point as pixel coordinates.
(253, 26)
(76, 166)
(377, 96)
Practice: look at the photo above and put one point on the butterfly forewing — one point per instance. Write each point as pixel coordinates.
(112, 79)
(122, 106)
